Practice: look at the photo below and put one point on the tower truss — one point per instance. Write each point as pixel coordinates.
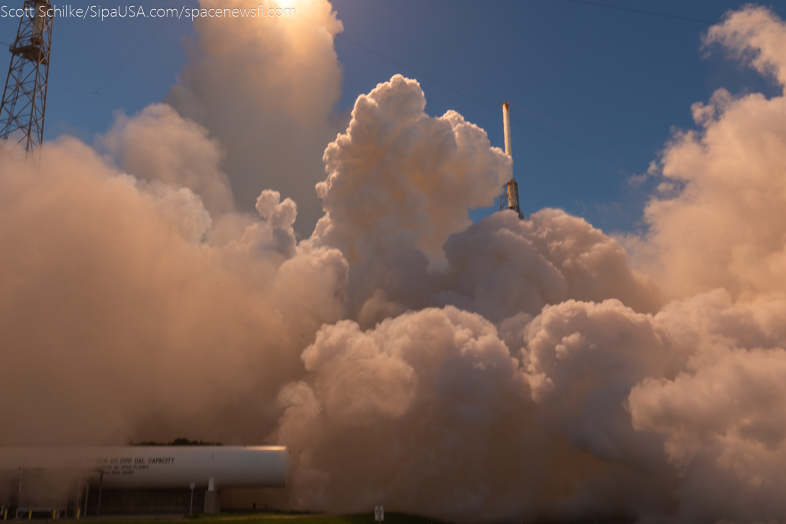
(510, 197)
(24, 97)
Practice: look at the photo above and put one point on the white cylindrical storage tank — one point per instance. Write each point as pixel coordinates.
(159, 467)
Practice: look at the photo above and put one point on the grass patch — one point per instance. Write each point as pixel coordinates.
(285, 518)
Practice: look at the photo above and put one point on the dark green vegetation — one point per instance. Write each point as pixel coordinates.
(180, 441)
(286, 518)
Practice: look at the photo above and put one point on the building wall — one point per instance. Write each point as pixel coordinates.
(145, 501)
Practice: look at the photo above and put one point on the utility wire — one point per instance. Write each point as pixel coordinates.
(557, 123)
(643, 12)
(582, 148)
(86, 92)
(488, 106)
(550, 165)
(496, 109)
(130, 57)
(588, 141)
(420, 74)
(113, 75)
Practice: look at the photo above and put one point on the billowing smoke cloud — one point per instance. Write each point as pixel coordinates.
(719, 221)
(505, 370)
(396, 201)
(723, 411)
(450, 424)
(266, 89)
(616, 412)
(160, 145)
(399, 179)
(504, 265)
(114, 309)
(431, 408)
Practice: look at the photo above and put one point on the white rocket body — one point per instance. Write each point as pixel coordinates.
(506, 121)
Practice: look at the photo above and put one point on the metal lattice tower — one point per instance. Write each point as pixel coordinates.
(510, 191)
(24, 97)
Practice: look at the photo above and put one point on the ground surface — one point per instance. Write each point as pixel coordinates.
(366, 518)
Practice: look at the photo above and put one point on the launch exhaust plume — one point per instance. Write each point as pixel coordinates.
(114, 310)
(504, 370)
(266, 89)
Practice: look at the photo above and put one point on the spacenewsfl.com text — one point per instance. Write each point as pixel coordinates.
(97, 12)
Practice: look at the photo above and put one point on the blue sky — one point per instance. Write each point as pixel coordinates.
(595, 91)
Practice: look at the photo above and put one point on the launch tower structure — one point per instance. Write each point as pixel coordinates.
(24, 97)
(510, 191)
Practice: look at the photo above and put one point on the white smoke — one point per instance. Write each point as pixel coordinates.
(158, 144)
(435, 409)
(718, 222)
(722, 412)
(266, 89)
(115, 310)
(400, 179)
(503, 370)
